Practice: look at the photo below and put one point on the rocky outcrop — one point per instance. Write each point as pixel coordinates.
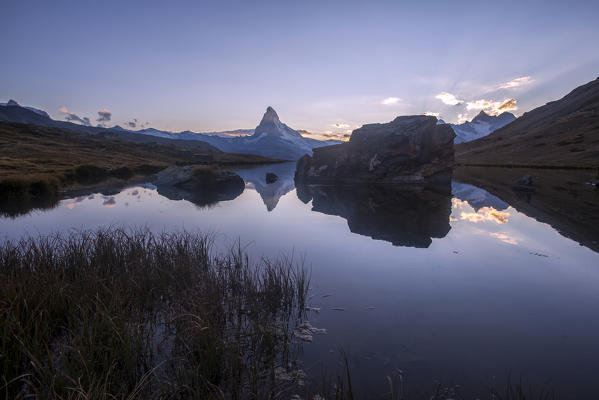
(410, 149)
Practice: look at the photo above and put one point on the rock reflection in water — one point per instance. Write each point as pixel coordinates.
(404, 216)
(204, 196)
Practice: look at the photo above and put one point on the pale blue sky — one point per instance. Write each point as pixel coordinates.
(217, 65)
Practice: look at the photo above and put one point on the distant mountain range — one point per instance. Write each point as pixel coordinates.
(482, 125)
(560, 133)
(271, 138)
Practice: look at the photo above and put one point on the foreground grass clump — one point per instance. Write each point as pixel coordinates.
(131, 314)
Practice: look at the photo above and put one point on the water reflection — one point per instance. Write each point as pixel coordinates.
(476, 197)
(17, 207)
(270, 192)
(401, 215)
(201, 196)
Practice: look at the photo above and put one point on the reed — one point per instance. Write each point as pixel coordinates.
(118, 313)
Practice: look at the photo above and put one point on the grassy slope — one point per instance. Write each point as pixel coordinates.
(34, 151)
(562, 133)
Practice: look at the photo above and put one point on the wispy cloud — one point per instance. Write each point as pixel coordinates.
(70, 116)
(390, 101)
(341, 125)
(104, 116)
(505, 238)
(132, 124)
(449, 99)
(518, 82)
(492, 107)
(327, 135)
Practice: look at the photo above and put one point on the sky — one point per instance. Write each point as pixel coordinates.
(325, 66)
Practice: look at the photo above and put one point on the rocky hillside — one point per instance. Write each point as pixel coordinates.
(562, 133)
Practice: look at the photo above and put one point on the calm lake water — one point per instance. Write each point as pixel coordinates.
(448, 285)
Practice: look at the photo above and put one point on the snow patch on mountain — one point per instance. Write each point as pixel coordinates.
(482, 125)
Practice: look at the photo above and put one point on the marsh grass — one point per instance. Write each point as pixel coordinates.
(131, 314)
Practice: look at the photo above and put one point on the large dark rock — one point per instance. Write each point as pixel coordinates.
(410, 149)
(404, 215)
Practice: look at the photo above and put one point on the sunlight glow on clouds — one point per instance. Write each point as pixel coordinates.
(492, 107)
(448, 99)
(514, 83)
(72, 117)
(483, 213)
(486, 214)
(504, 238)
(391, 100)
(431, 114)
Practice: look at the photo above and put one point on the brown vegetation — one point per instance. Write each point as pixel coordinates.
(38, 160)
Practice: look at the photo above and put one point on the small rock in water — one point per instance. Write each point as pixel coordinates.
(338, 309)
(524, 184)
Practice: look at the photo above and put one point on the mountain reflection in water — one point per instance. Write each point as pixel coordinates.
(404, 216)
(271, 193)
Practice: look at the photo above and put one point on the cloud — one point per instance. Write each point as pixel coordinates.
(486, 214)
(69, 116)
(507, 105)
(341, 126)
(463, 118)
(104, 116)
(448, 99)
(109, 202)
(326, 135)
(505, 238)
(132, 124)
(514, 83)
(492, 107)
(390, 101)
(432, 114)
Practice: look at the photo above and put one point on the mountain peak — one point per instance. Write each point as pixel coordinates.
(12, 103)
(270, 115)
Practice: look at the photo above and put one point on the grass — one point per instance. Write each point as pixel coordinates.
(30, 154)
(206, 174)
(118, 314)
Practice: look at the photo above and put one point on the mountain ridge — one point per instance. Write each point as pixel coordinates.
(271, 138)
(561, 133)
(481, 125)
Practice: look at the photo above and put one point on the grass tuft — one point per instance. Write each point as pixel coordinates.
(120, 313)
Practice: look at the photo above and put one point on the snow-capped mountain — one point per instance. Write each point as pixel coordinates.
(271, 138)
(482, 125)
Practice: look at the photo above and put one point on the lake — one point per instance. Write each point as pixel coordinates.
(449, 284)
